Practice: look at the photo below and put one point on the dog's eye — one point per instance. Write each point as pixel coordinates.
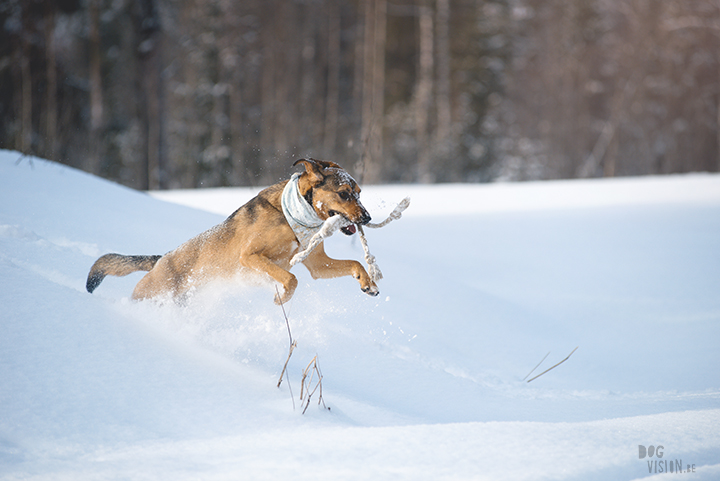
(344, 195)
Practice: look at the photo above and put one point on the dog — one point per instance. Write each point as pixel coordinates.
(261, 236)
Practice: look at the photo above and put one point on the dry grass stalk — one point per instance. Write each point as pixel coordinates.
(293, 345)
(538, 365)
(312, 369)
(556, 365)
(306, 384)
(284, 369)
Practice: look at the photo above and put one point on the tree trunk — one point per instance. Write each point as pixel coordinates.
(358, 144)
(373, 102)
(26, 78)
(423, 93)
(307, 120)
(286, 84)
(377, 133)
(153, 117)
(367, 72)
(51, 75)
(150, 65)
(96, 100)
(232, 75)
(267, 128)
(444, 115)
(333, 81)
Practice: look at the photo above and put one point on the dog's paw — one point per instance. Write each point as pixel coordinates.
(371, 290)
(281, 300)
(284, 298)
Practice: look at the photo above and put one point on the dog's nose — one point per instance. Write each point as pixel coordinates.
(365, 218)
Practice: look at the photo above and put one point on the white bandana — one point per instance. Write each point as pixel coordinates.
(299, 213)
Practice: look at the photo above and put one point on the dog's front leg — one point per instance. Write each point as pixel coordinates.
(263, 264)
(323, 267)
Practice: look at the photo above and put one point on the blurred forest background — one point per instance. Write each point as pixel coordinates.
(186, 93)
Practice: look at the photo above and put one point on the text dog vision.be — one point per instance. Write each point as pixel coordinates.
(662, 465)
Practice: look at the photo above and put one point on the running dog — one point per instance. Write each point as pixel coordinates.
(262, 236)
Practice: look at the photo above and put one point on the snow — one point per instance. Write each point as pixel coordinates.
(424, 381)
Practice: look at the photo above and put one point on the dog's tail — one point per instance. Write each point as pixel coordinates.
(117, 265)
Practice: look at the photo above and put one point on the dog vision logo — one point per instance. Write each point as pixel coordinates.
(661, 465)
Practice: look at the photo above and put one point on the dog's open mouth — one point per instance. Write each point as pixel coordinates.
(349, 229)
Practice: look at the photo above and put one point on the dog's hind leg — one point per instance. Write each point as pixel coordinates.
(117, 265)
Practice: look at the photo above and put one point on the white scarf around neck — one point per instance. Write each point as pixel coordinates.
(301, 216)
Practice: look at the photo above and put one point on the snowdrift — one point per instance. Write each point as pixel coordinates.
(426, 381)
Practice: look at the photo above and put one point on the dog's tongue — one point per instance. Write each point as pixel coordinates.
(350, 230)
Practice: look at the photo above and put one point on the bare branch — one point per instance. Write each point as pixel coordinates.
(311, 369)
(293, 344)
(556, 365)
(538, 365)
(292, 348)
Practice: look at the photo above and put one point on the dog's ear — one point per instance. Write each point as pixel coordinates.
(313, 170)
(326, 164)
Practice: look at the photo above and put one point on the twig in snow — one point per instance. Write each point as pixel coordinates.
(556, 365)
(538, 365)
(311, 368)
(284, 369)
(282, 306)
(25, 156)
(293, 345)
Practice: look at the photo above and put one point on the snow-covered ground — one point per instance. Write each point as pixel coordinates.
(423, 382)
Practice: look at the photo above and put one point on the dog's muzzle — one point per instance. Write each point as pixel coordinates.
(351, 229)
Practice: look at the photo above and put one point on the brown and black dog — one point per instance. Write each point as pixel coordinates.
(256, 237)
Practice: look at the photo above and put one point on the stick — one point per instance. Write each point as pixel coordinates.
(24, 156)
(373, 269)
(328, 228)
(553, 367)
(282, 306)
(315, 368)
(320, 399)
(292, 348)
(394, 215)
(305, 373)
(538, 365)
(335, 222)
(293, 344)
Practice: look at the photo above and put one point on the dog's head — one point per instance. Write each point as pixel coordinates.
(330, 190)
